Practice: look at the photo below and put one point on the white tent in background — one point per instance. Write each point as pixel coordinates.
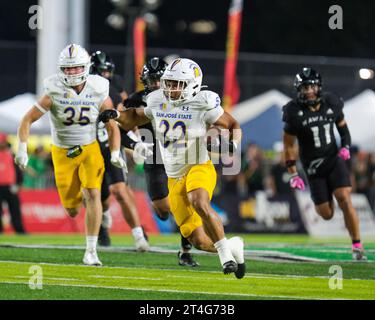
(360, 115)
(261, 118)
(12, 111)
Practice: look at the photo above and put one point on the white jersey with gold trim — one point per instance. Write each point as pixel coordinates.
(181, 128)
(73, 116)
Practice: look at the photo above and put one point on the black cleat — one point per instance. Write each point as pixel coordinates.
(144, 233)
(229, 267)
(186, 259)
(103, 237)
(241, 269)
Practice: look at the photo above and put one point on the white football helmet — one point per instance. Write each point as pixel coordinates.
(73, 55)
(188, 76)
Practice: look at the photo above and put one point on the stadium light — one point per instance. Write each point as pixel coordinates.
(120, 4)
(203, 26)
(152, 21)
(116, 21)
(151, 4)
(366, 74)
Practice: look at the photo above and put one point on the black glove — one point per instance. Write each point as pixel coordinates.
(107, 115)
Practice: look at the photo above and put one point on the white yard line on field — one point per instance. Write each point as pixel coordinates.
(179, 291)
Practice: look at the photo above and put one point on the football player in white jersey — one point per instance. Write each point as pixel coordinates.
(74, 100)
(181, 114)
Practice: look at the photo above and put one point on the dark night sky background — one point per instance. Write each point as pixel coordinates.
(270, 26)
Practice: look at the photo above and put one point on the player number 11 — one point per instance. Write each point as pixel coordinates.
(315, 131)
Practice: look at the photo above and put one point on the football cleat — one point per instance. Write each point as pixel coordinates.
(358, 254)
(186, 259)
(141, 245)
(91, 258)
(237, 250)
(103, 237)
(229, 267)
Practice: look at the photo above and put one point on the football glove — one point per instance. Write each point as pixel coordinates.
(118, 161)
(143, 150)
(21, 157)
(344, 154)
(107, 115)
(296, 182)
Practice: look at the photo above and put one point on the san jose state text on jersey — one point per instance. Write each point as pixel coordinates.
(181, 128)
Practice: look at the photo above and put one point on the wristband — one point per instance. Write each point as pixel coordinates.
(290, 163)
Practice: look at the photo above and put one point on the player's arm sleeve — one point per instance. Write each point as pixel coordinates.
(116, 98)
(214, 108)
(126, 141)
(340, 112)
(104, 92)
(289, 126)
(148, 110)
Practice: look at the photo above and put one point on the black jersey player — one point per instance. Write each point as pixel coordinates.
(156, 178)
(114, 181)
(311, 118)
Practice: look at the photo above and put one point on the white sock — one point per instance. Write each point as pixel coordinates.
(234, 245)
(137, 233)
(223, 249)
(91, 242)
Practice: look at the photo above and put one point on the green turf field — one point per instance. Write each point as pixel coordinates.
(278, 267)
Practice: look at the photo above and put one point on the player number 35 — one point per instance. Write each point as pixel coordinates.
(82, 119)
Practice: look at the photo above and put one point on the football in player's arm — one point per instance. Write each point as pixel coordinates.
(310, 119)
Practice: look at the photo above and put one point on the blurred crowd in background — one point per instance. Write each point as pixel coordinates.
(261, 170)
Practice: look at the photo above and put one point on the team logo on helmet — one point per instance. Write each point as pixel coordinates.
(174, 63)
(71, 50)
(196, 72)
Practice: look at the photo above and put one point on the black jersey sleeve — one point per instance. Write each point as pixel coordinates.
(118, 82)
(290, 114)
(336, 103)
(135, 100)
(126, 141)
(115, 96)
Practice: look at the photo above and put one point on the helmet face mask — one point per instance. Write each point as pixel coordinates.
(174, 90)
(181, 80)
(73, 55)
(308, 78)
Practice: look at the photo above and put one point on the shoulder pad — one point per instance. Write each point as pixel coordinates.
(290, 110)
(98, 83)
(333, 100)
(208, 99)
(52, 85)
(155, 97)
(135, 100)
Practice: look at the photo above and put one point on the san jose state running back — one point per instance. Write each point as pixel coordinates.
(181, 114)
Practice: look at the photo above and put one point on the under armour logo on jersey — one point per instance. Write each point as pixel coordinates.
(329, 111)
(185, 108)
(300, 113)
(88, 96)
